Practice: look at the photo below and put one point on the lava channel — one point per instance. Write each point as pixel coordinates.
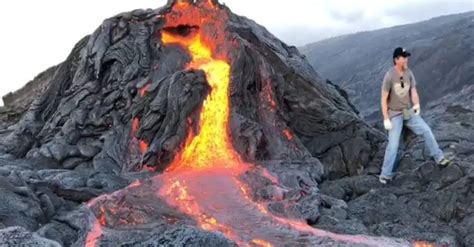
(203, 180)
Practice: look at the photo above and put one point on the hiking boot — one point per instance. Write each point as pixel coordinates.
(444, 162)
(384, 179)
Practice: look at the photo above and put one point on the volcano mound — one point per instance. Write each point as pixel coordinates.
(184, 125)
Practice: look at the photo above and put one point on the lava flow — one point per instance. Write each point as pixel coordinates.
(212, 146)
(203, 182)
(209, 153)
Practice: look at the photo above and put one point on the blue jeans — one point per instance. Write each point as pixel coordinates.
(417, 125)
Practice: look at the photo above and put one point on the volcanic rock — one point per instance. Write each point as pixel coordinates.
(126, 145)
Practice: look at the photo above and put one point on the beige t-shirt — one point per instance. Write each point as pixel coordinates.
(399, 93)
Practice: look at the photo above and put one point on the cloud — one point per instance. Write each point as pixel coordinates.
(423, 9)
(337, 17)
(39, 34)
(298, 35)
(352, 17)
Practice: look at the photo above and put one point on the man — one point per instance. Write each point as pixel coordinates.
(401, 106)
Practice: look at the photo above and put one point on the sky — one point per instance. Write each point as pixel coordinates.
(38, 34)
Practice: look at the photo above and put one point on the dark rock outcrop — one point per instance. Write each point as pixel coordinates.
(434, 204)
(424, 201)
(16, 103)
(17, 236)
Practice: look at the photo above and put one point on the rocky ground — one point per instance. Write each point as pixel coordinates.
(424, 201)
(73, 172)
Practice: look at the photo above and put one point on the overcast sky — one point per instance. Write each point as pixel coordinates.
(39, 34)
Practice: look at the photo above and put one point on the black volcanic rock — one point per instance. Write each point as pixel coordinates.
(75, 166)
(121, 87)
(424, 201)
(17, 236)
(442, 59)
(92, 100)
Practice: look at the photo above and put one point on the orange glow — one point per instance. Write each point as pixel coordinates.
(134, 184)
(268, 92)
(94, 235)
(188, 204)
(422, 244)
(180, 4)
(212, 146)
(272, 102)
(245, 194)
(96, 231)
(143, 90)
(135, 125)
(142, 145)
(288, 134)
(269, 176)
(203, 180)
(102, 219)
(261, 243)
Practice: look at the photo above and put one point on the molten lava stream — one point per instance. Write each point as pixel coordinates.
(212, 146)
(218, 201)
(203, 181)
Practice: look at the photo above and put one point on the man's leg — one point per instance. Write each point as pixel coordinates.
(392, 146)
(419, 126)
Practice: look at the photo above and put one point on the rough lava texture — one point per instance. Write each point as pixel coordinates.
(87, 163)
(423, 201)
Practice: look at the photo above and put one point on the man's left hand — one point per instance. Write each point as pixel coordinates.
(416, 108)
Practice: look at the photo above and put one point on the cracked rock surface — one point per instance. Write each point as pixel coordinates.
(121, 87)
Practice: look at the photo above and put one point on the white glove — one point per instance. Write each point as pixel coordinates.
(416, 109)
(387, 124)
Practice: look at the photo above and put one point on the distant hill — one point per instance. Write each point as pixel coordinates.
(442, 59)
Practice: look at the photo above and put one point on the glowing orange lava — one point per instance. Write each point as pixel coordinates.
(143, 145)
(94, 235)
(261, 243)
(179, 192)
(203, 180)
(142, 90)
(422, 244)
(288, 134)
(211, 147)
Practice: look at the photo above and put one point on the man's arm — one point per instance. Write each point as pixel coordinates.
(415, 99)
(384, 103)
(386, 86)
(414, 96)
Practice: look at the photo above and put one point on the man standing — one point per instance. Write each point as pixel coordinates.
(401, 106)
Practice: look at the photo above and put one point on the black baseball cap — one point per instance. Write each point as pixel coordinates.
(400, 52)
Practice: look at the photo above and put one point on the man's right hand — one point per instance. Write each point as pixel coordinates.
(387, 124)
